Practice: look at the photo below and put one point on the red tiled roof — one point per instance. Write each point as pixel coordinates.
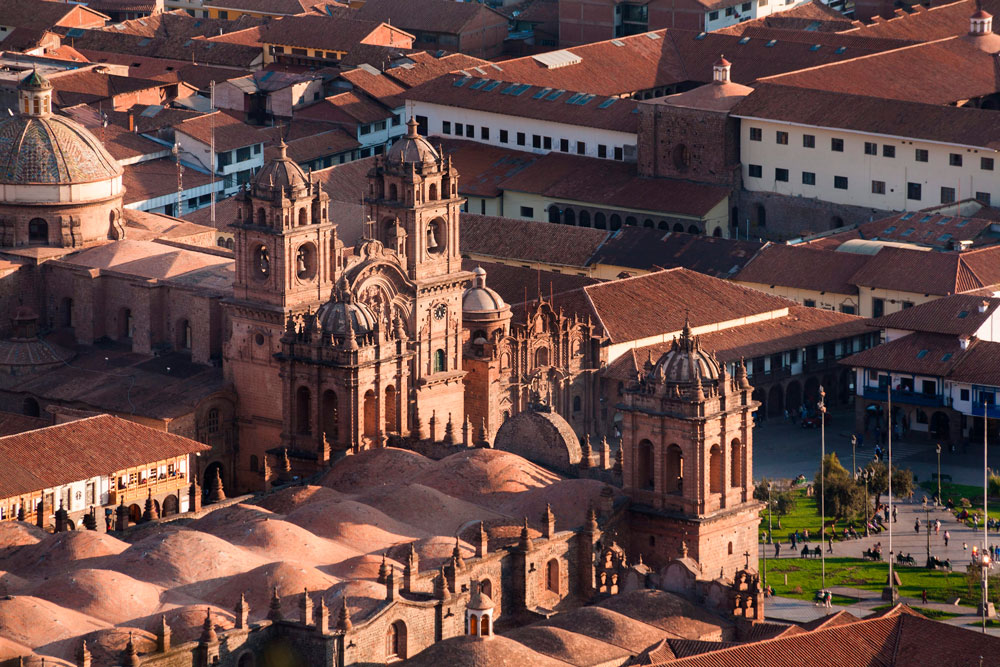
(956, 315)
(13, 422)
(324, 32)
(350, 107)
(426, 67)
(925, 228)
(230, 131)
(528, 240)
(156, 178)
(979, 365)
(483, 167)
(611, 183)
(376, 85)
(925, 24)
(658, 303)
(918, 353)
(804, 267)
(813, 16)
(39, 15)
(434, 16)
(871, 113)
(285, 7)
(81, 449)
(648, 249)
(938, 273)
(322, 144)
(87, 86)
(470, 92)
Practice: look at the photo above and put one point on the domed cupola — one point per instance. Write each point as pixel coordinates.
(411, 148)
(280, 175)
(482, 306)
(685, 362)
(342, 307)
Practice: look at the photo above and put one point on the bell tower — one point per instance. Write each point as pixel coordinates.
(286, 262)
(687, 454)
(414, 208)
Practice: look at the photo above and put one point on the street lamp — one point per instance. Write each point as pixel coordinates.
(865, 475)
(986, 602)
(822, 478)
(854, 444)
(927, 514)
(938, 450)
(768, 530)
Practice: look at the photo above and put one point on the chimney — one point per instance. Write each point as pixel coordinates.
(983, 305)
(131, 121)
(963, 342)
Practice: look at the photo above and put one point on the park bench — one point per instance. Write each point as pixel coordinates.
(871, 554)
(905, 560)
(937, 564)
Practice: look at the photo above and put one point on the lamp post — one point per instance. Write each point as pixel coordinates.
(866, 475)
(938, 450)
(889, 593)
(768, 530)
(927, 526)
(985, 605)
(822, 479)
(854, 444)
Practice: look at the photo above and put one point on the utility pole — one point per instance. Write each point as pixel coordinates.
(211, 112)
(891, 590)
(822, 478)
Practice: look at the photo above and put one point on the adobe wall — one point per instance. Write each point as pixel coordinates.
(676, 142)
(789, 217)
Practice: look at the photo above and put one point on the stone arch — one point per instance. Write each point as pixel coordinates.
(674, 469)
(717, 232)
(678, 227)
(541, 357)
(331, 416)
(171, 506)
(391, 421)
(542, 437)
(729, 549)
(486, 588)
(664, 225)
(305, 261)
(569, 217)
(38, 231)
(648, 223)
(370, 414)
(736, 463)
(577, 404)
(207, 479)
(616, 222)
(134, 513)
(261, 217)
(303, 407)
(836, 222)
(432, 192)
(30, 407)
(693, 229)
(793, 396)
(436, 236)
(395, 641)
(303, 217)
(552, 576)
(715, 484)
(393, 192)
(554, 214)
(230, 244)
(600, 222)
(440, 361)
(584, 219)
(645, 469)
(631, 221)
(775, 401)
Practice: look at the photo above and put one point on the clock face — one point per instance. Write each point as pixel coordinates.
(440, 311)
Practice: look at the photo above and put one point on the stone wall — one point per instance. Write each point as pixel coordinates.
(790, 217)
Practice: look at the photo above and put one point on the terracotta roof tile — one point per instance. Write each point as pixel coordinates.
(325, 32)
(648, 249)
(283, 7)
(804, 267)
(422, 67)
(938, 273)
(944, 20)
(939, 230)
(979, 365)
(156, 178)
(956, 315)
(435, 16)
(230, 132)
(528, 240)
(36, 15)
(658, 303)
(13, 422)
(81, 449)
(349, 107)
(483, 167)
(918, 353)
(375, 85)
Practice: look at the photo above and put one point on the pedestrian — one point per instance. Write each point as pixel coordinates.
(829, 545)
(894, 514)
(885, 512)
(937, 526)
(916, 525)
(965, 546)
(777, 549)
(794, 536)
(923, 596)
(828, 598)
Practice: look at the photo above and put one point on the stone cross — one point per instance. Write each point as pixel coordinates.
(746, 554)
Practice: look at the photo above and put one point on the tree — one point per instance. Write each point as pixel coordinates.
(783, 501)
(844, 499)
(902, 481)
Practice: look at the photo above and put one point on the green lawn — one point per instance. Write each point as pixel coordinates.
(973, 493)
(804, 578)
(805, 516)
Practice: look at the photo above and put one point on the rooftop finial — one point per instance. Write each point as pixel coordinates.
(411, 127)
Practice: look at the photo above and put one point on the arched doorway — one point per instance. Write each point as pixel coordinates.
(793, 396)
(644, 468)
(717, 232)
(554, 214)
(209, 478)
(675, 470)
(693, 229)
(391, 424)
(134, 513)
(715, 469)
(616, 222)
(940, 426)
(331, 417)
(678, 227)
(170, 506)
(38, 231)
(569, 217)
(775, 401)
(600, 222)
(631, 221)
(371, 414)
(552, 576)
(584, 219)
(30, 407)
(395, 641)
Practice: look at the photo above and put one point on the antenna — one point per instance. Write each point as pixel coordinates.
(211, 97)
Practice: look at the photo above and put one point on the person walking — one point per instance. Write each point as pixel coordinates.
(828, 599)
(794, 539)
(916, 525)
(777, 549)
(894, 514)
(947, 536)
(829, 544)
(923, 596)
(937, 526)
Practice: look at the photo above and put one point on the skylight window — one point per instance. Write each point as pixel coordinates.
(700, 35)
(771, 43)
(606, 103)
(889, 230)
(921, 354)
(926, 218)
(815, 47)
(461, 82)
(944, 237)
(944, 221)
(909, 231)
(907, 216)
(963, 223)
(478, 84)
(573, 98)
(962, 315)
(946, 357)
(744, 40)
(555, 95)
(840, 49)
(618, 42)
(541, 93)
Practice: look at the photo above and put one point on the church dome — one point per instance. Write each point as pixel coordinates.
(335, 313)
(411, 148)
(52, 149)
(479, 298)
(685, 361)
(279, 173)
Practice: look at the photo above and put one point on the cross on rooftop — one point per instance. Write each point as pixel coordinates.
(746, 554)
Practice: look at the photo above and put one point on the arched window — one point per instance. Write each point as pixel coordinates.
(391, 424)
(212, 421)
(715, 469)
(569, 217)
(38, 231)
(678, 227)
(331, 416)
(736, 462)
(436, 236)
(552, 576)
(254, 463)
(486, 588)
(440, 361)
(600, 221)
(432, 192)
(393, 192)
(474, 625)
(221, 242)
(730, 549)
(303, 401)
(616, 222)
(717, 232)
(631, 221)
(644, 468)
(675, 470)
(261, 217)
(576, 403)
(584, 219)
(554, 214)
(486, 626)
(230, 244)
(30, 407)
(693, 229)
(663, 224)
(184, 335)
(371, 414)
(303, 217)
(395, 641)
(647, 223)
(541, 357)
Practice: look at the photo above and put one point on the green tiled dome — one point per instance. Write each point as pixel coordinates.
(52, 149)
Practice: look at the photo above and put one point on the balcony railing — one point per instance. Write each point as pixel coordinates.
(140, 491)
(908, 397)
(992, 411)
